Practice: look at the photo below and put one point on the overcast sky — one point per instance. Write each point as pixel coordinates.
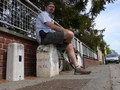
(110, 20)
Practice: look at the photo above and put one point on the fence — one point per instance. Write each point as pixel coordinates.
(84, 49)
(16, 16)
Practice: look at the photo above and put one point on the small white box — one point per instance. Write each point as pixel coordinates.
(15, 62)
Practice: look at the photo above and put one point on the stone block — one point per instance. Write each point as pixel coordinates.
(47, 61)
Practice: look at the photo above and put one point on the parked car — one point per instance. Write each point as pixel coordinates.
(112, 58)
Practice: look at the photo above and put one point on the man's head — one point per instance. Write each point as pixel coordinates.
(48, 3)
(49, 7)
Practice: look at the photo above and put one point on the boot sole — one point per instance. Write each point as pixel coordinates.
(82, 73)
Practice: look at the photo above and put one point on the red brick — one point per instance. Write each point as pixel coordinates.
(28, 64)
(1, 57)
(29, 47)
(2, 63)
(28, 55)
(1, 45)
(14, 42)
(23, 41)
(16, 39)
(1, 69)
(2, 51)
(26, 50)
(27, 59)
(4, 57)
(8, 41)
(2, 40)
(2, 76)
(33, 51)
(8, 36)
(5, 46)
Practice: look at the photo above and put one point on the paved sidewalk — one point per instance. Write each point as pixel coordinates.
(102, 80)
(103, 77)
(115, 76)
(107, 78)
(83, 79)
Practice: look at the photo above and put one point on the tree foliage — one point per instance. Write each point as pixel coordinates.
(98, 6)
(108, 49)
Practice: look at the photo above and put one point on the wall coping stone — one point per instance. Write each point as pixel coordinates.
(16, 34)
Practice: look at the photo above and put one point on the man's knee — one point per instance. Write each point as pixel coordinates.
(69, 34)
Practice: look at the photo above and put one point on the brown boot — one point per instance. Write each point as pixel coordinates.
(81, 71)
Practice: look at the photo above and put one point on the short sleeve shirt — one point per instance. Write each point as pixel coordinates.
(41, 19)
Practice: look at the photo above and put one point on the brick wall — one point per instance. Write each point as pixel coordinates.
(87, 62)
(30, 46)
(90, 62)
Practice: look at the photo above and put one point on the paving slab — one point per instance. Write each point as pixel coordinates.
(59, 84)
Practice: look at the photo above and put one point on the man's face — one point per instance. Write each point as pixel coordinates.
(50, 8)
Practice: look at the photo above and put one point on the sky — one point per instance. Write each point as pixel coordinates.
(110, 20)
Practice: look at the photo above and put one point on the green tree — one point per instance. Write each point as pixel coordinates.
(108, 49)
(99, 5)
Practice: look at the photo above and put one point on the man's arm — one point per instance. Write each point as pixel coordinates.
(68, 35)
(54, 27)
